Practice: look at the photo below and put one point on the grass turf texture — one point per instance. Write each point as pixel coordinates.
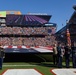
(43, 67)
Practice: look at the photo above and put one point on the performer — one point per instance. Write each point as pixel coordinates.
(2, 55)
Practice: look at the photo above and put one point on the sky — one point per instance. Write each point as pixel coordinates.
(61, 10)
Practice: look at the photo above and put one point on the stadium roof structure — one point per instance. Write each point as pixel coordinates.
(74, 7)
(25, 20)
(61, 31)
(16, 18)
(72, 20)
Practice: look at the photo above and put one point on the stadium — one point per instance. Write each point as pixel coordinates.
(30, 38)
(26, 30)
(26, 33)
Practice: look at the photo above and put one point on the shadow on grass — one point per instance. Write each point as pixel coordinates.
(45, 64)
(50, 64)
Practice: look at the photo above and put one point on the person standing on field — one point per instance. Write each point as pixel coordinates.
(2, 55)
(74, 55)
(67, 55)
(55, 54)
(60, 54)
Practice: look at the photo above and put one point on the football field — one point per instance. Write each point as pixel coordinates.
(34, 68)
(43, 68)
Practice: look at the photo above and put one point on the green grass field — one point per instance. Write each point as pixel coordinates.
(43, 67)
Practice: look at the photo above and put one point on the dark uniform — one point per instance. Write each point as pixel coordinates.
(2, 54)
(59, 57)
(60, 54)
(67, 56)
(74, 56)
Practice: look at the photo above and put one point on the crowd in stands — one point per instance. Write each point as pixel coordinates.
(28, 41)
(14, 40)
(27, 30)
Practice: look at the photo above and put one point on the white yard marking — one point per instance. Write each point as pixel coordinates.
(17, 65)
(64, 71)
(21, 72)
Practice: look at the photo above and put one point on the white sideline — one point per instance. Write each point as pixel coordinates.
(17, 65)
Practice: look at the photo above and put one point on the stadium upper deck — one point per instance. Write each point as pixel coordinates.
(19, 30)
(15, 18)
(27, 20)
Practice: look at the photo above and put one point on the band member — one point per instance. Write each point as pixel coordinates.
(67, 55)
(2, 55)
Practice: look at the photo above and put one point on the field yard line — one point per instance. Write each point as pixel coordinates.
(17, 65)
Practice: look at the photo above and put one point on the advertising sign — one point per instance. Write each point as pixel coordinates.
(2, 13)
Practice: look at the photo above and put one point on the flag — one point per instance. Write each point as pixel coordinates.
(68, 37)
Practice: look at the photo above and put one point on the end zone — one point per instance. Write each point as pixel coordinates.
(63, 71)
(21, 72)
